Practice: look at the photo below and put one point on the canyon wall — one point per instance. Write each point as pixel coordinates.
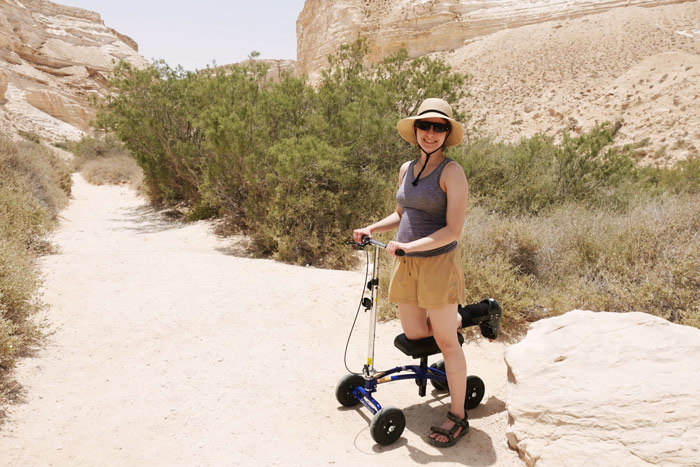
(425, 26)
(53, 58)
(541, 66)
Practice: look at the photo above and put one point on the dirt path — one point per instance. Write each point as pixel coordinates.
(170, 349)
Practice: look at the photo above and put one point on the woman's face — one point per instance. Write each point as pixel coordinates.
(430, 140)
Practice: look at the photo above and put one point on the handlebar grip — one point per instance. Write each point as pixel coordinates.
(366, 240)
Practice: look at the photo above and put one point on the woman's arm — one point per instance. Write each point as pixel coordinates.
(457, 190)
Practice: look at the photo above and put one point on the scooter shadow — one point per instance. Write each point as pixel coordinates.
(475, 449)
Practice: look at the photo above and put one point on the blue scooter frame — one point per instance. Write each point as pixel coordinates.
(389, 422)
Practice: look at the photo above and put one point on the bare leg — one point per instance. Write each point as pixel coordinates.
(443, 326)
(414, 321)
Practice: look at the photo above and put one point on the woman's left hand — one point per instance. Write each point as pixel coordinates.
(392, 246)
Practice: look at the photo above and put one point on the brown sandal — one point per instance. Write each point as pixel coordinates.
(452, 438)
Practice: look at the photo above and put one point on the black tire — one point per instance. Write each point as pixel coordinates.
(345, 387)
(387, 425)
(439, 385)
(475, 392)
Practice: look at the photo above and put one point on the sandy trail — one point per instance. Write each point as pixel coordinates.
(169, 349)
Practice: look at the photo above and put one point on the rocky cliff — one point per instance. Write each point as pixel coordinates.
(425, 26)
(53, 58)
(542, 66)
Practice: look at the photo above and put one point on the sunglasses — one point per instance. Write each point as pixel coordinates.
(437, 127)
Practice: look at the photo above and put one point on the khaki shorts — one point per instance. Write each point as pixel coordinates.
(431, 282)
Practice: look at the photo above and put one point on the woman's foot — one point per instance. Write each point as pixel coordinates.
(449, 432)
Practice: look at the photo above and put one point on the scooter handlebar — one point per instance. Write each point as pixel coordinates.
(369, 240)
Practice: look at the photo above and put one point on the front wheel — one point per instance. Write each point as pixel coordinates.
(387, 425)
(345, 388)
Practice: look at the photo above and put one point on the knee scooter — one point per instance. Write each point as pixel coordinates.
(388, 422)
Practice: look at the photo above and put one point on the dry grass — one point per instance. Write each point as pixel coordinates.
(115, 170)
(647, 259)
(34, 186)
(105, 161)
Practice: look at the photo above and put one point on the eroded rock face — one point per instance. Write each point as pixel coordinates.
(541, 67)
(424, 26)
(3, 85)
(637, 65)
(54, 58)
(605, 389)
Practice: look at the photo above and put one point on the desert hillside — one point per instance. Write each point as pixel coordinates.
(52, 59)
(541, 66)
(641, 65)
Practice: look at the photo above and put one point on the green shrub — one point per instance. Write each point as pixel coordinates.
(152, 112)
(683, 177)
(228, 142)
(19, 286)
(537, 174)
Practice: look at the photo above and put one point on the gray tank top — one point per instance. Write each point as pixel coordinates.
(424, 208)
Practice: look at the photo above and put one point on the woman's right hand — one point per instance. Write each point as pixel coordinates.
(357, 234)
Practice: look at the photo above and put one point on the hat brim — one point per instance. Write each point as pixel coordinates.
(405, 127)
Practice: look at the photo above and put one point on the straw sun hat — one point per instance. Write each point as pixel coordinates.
(432, 107)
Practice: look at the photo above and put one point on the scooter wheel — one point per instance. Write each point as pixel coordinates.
(387, 425)
(475, 392)
(437, 384)
(345, 387)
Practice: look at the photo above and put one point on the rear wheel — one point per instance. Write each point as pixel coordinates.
(438, 384)
(475, 392)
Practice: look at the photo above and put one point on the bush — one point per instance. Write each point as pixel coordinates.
(536, 174)
(34, 185)
(37, 170)
(19, 286)
(105, 160)
(682, 178)
(228, 142)
(151, 112)
(116, 170)
(23, 219)
(646, 259)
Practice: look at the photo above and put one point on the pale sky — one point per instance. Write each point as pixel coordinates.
(193, 34)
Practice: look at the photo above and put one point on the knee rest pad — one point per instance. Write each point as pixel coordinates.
(420, 347)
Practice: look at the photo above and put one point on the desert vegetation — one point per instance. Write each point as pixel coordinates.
(34, 186)
(103, 160)
(554, 224)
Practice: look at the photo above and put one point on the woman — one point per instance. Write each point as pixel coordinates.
(428, 283)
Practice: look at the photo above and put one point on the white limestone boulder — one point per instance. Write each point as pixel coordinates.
(605, 389)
